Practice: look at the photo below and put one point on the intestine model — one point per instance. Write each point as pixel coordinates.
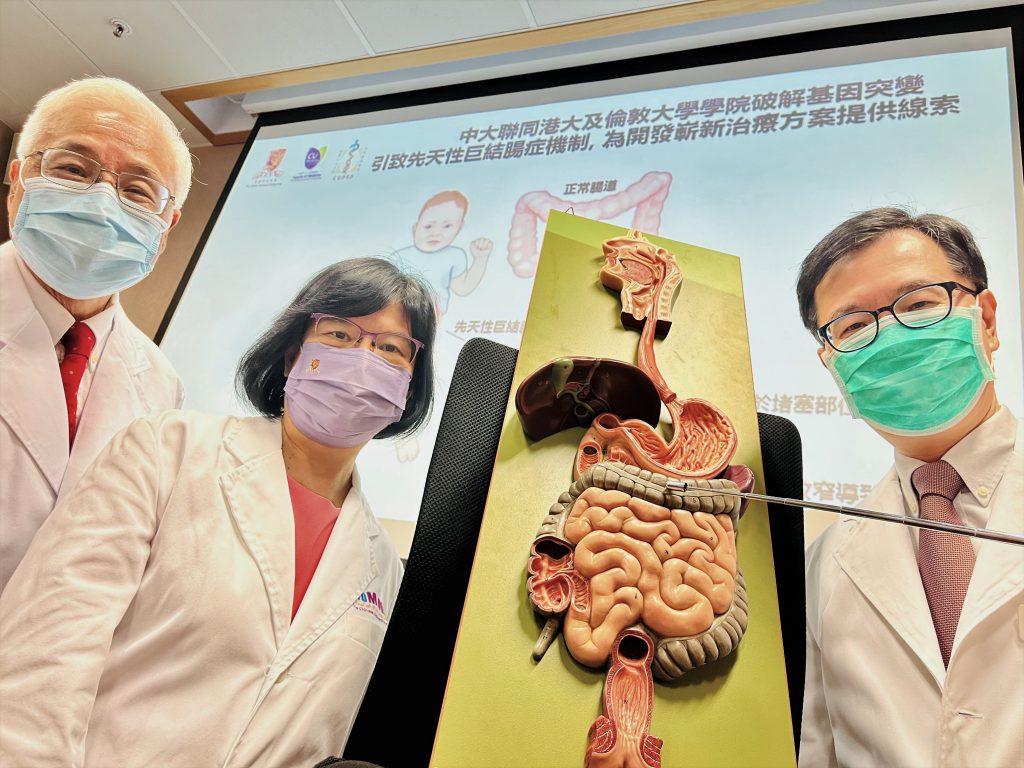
(647, 196)
(644, 578)
(632, 573)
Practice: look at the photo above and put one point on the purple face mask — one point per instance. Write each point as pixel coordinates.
(343, 397)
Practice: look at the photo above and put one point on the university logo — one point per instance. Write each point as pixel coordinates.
(314, 155)
(350, 160)
(271, 171)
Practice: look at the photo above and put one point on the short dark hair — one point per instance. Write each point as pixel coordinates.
(350, 288)
(861, 230)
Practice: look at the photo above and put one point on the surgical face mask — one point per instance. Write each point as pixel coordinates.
(82, 242)
(916, 381)
(344, 397)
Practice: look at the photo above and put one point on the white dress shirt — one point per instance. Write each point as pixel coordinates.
(58, 321)
(981, 458)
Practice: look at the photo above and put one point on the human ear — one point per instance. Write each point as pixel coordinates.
(821, 355)
(289, 360)
(987, 302)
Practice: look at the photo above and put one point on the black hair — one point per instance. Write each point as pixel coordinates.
(861, 230)
(350, 288)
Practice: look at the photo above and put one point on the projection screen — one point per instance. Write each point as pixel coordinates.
(758, 158)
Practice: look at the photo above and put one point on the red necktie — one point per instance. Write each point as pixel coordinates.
(78, 343)
(945, 560)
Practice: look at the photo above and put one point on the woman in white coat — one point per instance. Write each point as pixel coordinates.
(200, 599)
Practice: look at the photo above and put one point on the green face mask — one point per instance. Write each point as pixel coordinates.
(916, 381)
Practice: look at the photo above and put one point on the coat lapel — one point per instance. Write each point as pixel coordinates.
(998, 572)
(116, 398)
(880, 559)
(256, 495)
(31, 396)
(345, 571)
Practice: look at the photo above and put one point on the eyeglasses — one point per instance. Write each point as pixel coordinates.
(342, 333)
(75, 171)
(919, 308)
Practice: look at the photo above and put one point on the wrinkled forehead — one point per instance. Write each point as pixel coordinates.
(120, 137)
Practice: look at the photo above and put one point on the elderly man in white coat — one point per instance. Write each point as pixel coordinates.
(99, 181)
(914, 650)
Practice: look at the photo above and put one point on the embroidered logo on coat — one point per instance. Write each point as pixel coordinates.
(370, 602)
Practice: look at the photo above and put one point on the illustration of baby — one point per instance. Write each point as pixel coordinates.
(432, 256)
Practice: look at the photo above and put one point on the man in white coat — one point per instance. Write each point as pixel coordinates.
(915, 654)
(99, 181)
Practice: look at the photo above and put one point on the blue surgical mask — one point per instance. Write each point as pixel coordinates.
(84, 243)
(916, 381)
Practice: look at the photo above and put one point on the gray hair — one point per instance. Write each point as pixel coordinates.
(861, 230)
(109, 90)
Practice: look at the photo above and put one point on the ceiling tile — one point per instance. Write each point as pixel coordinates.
(163, 51)
(189, 132)
(257, 36)
(548, 12)
(392, 25)
(24, 33)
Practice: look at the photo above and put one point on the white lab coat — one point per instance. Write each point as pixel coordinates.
(149, 623)
(879, 695)
(132, 379)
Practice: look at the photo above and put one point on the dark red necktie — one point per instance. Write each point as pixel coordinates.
(78, 343)
(946, 560)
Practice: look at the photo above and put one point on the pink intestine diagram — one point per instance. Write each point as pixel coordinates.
(646, 195)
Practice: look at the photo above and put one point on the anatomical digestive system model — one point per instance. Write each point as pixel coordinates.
(636, 576)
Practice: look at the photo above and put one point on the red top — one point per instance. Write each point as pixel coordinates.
(314, 520)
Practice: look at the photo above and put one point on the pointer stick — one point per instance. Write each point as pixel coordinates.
(915, 522)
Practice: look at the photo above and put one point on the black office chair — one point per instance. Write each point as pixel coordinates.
(421, 634)
(783, 476)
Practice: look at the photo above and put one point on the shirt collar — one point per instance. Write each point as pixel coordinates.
(980, 458)
(58, 320)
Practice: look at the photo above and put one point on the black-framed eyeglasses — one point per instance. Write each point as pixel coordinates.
(396, 348)
(919, 308)
(75, 171)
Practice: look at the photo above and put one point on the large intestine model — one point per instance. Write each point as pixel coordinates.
(647, 195)
(633, 573)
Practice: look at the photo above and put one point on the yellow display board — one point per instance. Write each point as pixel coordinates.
(501, 707)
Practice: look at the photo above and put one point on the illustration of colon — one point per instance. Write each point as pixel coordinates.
(647, 196)
(633, 574)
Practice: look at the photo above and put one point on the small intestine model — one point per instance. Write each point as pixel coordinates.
(635, 575)
(646, 195)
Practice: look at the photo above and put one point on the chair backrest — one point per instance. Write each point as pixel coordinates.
(784, 476)
(420, 641)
